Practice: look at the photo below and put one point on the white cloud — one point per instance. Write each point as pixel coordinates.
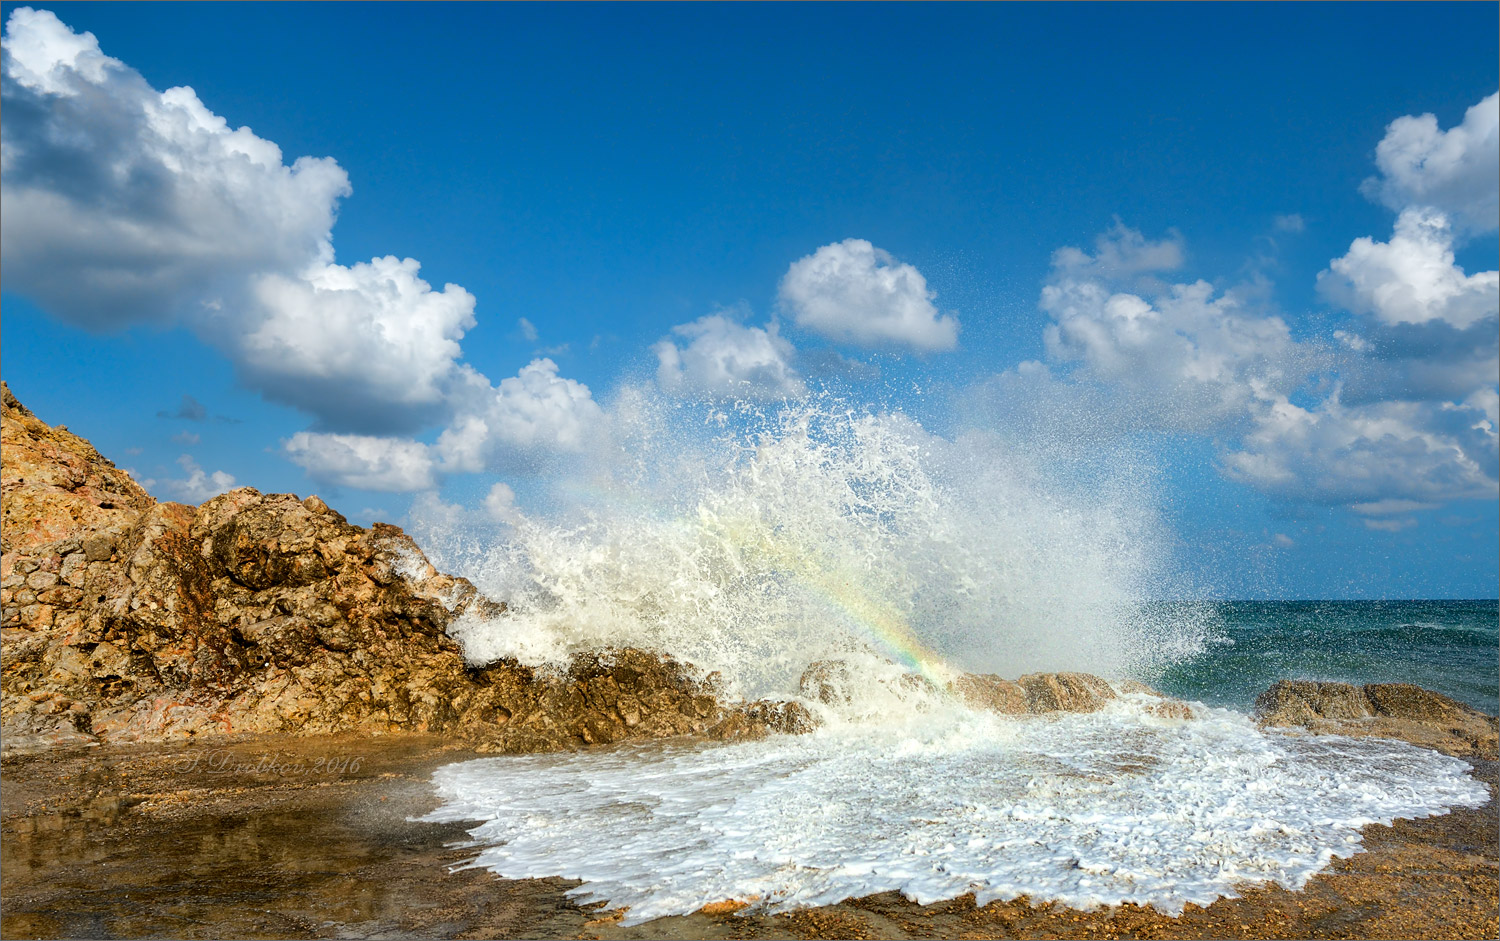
(1412, 278)
(1283, 540)
(529, 418)
(365, 462)
(723, 357)
(357, 340)
(1373, 455)
(45, 54)
(123, 203)
(1456, 171)
(1120, 252)
(197, 486)
(528, 329)
(1390, 526)
(1291, 223)
(186, 437)
(1391, 507)
(1186, 360)
(500, 504)
(855, 292)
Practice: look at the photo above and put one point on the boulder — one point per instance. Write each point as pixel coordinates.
(1382, 710)
(1065, 692)
(987, 691)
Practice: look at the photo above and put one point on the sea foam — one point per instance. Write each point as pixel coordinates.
(1087, 810)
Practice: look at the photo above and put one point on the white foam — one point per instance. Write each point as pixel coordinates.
(1086, 810)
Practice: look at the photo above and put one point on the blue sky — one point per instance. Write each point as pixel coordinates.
(1281, 280)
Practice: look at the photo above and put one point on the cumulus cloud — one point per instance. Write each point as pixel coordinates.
(852, 291)
(725, 358)
(361, 341)
(530, 417)
(125, 204)
(1187, 359)
(500, 504)
(365, 462)
(1456, 172)
(1372, 455)
(197, 486)
(1395, 413)
(1412, 279)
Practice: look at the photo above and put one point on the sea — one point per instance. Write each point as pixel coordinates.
(1452, 647)
(758, 543)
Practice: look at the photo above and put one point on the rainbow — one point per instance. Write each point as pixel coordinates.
(876, 621)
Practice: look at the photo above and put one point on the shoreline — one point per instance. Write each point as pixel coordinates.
(311, 837)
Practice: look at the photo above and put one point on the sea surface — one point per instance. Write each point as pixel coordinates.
(1449, 646)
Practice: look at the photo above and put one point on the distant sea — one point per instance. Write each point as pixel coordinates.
(1449, 646)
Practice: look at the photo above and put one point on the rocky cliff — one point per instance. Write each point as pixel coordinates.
(127, 619)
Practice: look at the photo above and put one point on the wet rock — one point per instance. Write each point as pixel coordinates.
(1383, 710)
(987, 691)
(1065, 692)
(826, 681)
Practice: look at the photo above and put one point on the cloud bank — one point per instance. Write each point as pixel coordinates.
(1395, 414)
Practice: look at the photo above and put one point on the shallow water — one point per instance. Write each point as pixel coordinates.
(1087, 810)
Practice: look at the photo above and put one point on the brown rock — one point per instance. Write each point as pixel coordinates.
(131, 620)
(1065, 692)
(54, 483)
(1383, 710)
(987, 691)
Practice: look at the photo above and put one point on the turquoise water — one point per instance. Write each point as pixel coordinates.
(1449, 646)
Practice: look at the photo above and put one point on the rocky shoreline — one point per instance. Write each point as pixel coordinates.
(313, 837)
(218, 720)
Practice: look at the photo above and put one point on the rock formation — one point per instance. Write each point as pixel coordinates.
(1381, 710)
(125, 619)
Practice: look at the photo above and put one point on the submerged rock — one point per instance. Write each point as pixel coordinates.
(125, 619)
(1382, 710)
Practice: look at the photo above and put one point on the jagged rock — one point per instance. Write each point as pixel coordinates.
(759, 719)
(55, 484)
(125, 619)
(1383, 710)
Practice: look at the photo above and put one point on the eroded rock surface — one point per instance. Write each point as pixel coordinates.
(1382, 710)
(125, 619)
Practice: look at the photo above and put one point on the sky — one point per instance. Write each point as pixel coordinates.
(407, 256)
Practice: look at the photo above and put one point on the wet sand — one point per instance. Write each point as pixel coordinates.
(278, 838)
